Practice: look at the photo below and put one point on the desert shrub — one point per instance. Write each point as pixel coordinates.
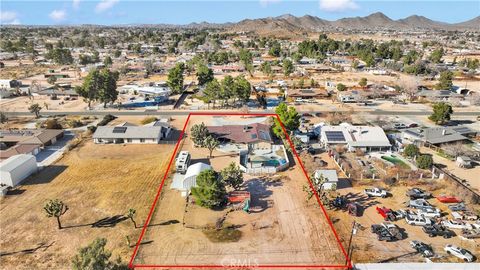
(148, 119)
(390, 181)
(106, 119)
(359, 153)
(91, 129)
(75, 123)
(411, 150)
(424, 162)
(52, 124)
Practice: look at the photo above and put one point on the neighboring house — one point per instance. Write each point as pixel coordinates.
(434, 95)
(308, 93)
(256, 136)
(27, 141)
(464, 162)
(8, 84)
(365, 138)
(130, 134)
(16, 168)
(330, 176)
(437, 135)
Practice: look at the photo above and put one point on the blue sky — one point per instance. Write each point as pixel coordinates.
(108, 12)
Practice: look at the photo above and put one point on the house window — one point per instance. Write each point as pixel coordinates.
(142, 140)
(129, 140)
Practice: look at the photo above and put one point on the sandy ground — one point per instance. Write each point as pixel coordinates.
(281, 229)
(96, 182)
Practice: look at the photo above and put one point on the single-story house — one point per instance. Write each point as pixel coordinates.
(330, 176)
(438, 94)
(16, 168)
(256, 136)
(130, 134)
(26, 141)
(313, 93)
(437, 135)
(365, 138)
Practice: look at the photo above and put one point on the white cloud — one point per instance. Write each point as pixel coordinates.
(337, 5)
(105, 5)
(265, 3)
(76, 4)
(9, 17)
(58, 15)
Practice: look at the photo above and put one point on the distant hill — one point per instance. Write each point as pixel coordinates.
(297, 25)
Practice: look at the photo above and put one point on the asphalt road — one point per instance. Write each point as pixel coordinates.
(186, 112)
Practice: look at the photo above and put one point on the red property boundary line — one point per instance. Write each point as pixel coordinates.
(157, 196)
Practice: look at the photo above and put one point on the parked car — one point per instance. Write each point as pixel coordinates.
(399, 126)
(387, 232)
(419, 203)
(448, 199)
(437, 230)
(422, 248)
(376, 192)
(416, 193)
(458, 207)
(456, 224)
(468, 215)
(471, 234)
(429, 212)
(389, 214)
(459, 253)
(417, 220)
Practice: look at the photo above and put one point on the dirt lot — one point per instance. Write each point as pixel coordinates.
(282, 227)
(97, 182)
(366, 248)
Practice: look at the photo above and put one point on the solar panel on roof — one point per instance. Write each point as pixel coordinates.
(119, 129)
(335, 135)
(254, 136)
(462, 129)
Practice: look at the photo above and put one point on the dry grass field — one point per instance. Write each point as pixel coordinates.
(97, 182)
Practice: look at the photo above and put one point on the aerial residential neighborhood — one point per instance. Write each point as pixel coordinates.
(239, 134)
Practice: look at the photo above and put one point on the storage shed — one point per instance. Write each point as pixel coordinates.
(16, 168)
(190, 179)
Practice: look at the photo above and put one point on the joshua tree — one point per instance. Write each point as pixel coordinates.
(130, 214)
(35, 108)
(55, 208)
(211, 143)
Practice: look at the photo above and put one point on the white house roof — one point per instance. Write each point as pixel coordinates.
(127, 132)
(329, 175)
(195, 169)
(355, 136)
(13, 162)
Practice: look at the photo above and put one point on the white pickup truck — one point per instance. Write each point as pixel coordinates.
(376, 192)
(417, 220)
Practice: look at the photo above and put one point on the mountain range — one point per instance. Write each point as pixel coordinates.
(296, 25)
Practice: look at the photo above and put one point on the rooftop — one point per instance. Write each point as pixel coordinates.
(251, 133)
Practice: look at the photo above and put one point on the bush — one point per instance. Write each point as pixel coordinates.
(411, 150)
(148, 119)
(424, 162)
(75, 123)
(52, 124)
(106, 119)
(92, 128)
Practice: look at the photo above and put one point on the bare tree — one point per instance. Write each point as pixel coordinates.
(409, 85)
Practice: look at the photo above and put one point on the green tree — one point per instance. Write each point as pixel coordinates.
(441, 113)
(204, 74)
(341, 87)
(242, 88)
(289, 117)
(175, 78)
(56, 208)
(107, 61)
(35, 109)
(210, 191)
(210, 143)
(445, 80)
(108, 87)
(266, 68)
(288, 67)
(212, 91)
(90, 87)
(436, 55)
(246, 58)
(51, 80)
(96, 257)
(424, 162)
(232, 175)
(411, 151)
(363, 82)
(131, 214)
(199, 132)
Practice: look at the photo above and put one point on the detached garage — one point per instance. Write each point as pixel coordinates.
(16, 168)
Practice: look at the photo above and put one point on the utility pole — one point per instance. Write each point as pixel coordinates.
(349, 247)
